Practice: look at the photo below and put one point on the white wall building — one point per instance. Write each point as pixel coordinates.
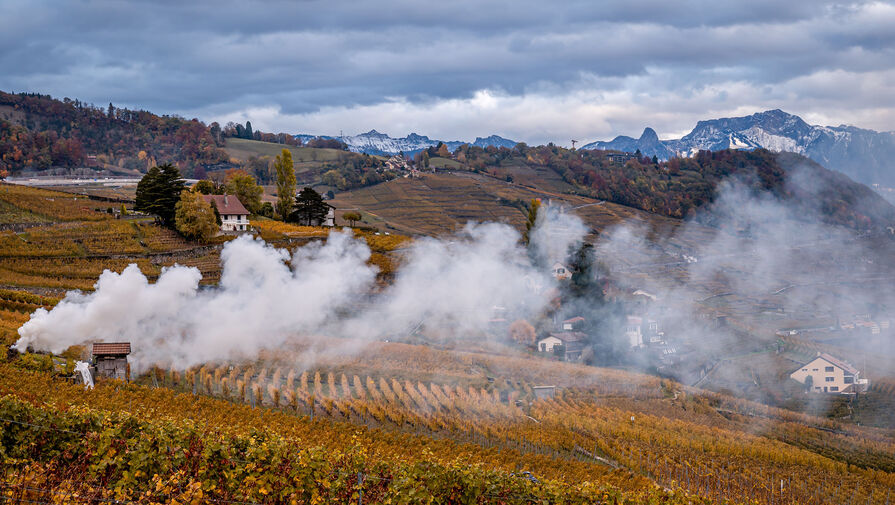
(830, 375)
(234, 217)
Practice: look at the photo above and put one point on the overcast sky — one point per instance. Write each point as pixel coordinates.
(533, 71)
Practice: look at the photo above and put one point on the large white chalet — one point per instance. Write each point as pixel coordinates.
(827, 374)
(234, 217)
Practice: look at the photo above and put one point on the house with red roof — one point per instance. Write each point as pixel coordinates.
(234, 216)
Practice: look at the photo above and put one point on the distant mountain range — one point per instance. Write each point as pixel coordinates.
(864, 155)
(374, 142)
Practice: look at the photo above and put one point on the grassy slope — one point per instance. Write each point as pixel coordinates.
(304, 158)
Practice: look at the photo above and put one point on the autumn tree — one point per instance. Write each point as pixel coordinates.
(531, 219)
(352, 217)
(209, 187)
(309, 208)
(194, 217)
(285, 183)
(159, 191)
(335, 179)
(522, 332)
(243, 186)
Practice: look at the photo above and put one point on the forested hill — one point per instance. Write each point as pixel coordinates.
(680, 186)
(38, 132)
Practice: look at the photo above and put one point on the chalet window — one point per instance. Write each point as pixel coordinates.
(828, 369)
(849, 379)
(813, 369)
(804, 369)
(834, 388)
(817, 388)
(830, 379)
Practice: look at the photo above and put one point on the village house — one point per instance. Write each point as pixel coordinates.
(620, 158)
(641, 332)
(234, 217)
(572, 343)
(827, 374)
(397, 164)
(330, 218)
(573, 324)
(110, 359)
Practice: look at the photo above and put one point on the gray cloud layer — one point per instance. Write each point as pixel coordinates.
(532, 71)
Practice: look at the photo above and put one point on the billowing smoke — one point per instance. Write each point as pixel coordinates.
(747, 267)
(269, 299)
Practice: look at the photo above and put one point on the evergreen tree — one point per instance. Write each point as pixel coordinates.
(159, 191)
(285, 183)
(309, 208)
(248, 133)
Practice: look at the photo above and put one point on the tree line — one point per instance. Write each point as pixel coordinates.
(38, 132)
(163, 192)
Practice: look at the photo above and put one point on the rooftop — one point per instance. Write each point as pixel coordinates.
(227, 204)
(570, 336)
(838, 362)
(111, 348)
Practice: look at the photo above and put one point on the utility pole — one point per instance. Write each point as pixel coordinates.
(573, 144)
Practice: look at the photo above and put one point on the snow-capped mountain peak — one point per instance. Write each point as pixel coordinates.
(374, 142)
(865, 155)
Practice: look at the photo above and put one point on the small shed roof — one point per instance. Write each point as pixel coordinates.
(574, 320)
(111, 348)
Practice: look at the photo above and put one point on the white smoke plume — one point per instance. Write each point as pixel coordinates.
(763, 262)
(267, 298)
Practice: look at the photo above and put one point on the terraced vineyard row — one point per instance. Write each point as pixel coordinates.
(701, 452)
(112, 436)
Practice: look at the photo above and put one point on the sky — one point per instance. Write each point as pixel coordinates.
(531, 71)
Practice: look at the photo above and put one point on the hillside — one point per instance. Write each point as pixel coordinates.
(38, 133)
(310, 162)
(387, 420)
(681, 187)
(440, 203)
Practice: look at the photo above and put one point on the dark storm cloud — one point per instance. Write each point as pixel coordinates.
(304, 57)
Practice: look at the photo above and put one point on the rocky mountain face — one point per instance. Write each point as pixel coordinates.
(864, 155)
(374, 142)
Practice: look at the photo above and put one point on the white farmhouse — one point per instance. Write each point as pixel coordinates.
(827, 374)
(234, 217)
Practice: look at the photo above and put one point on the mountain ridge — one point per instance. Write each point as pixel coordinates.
(375, 142)
(865, 155)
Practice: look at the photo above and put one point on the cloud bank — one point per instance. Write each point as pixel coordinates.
(531, 71)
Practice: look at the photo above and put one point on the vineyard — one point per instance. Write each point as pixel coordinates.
(60, 442)
(22, 204)
(388, 423)
(705, 444)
